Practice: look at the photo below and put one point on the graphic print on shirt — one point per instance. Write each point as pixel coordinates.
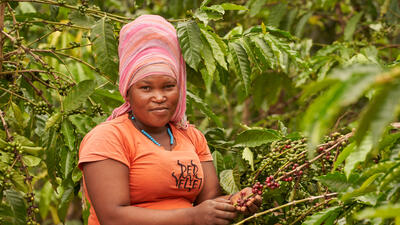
(188, 178)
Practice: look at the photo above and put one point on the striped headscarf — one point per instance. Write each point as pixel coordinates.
(147, 46)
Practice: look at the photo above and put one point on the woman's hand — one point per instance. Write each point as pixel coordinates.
(217, 211)
(251, 205)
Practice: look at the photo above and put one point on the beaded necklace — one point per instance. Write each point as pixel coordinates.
(171, 137)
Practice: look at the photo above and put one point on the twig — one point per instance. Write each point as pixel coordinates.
(89, 11)
(339, 141)
(58, 24)
(283, 206)
(39, 92)
(17, 95)
(310, 210)
(2, 7)
(9, 137)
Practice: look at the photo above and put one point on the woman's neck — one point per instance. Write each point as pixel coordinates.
(151, 130)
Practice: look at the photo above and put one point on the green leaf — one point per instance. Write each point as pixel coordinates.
(18, 181)
(46, 193)
(321, 114)
(105, 49)
(31, 160)
(82, 123)
(319, 217)
(384, 211)
(227, 181)
(53, 120)
(336, 181)
(68, 133)
(249, 156)
(344, 154)
(256, 137)
(17, 204)
(358, 155)
(381, 167)
(76, 175)
(256, 7)
(52, 156)
(391, 175)
(231, 6)
(276, 14)
(209, 63)
(113, 95)
(80, 19)
(351, 26)
(241, 64)
(66, 161)
(218, 47)
(382, 109)
(278, 53)
(247, 45)
(66, 198)
(79, 94)
(263, 52)
(203, 107)
(218, 161)
(18, 115)
(190, 42)
(300, 25)
(366, 187)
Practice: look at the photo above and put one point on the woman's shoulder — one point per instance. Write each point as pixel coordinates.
(194, 134)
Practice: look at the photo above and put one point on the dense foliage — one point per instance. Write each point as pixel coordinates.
(298, 99)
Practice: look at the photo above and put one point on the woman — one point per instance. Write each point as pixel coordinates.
(146, 165)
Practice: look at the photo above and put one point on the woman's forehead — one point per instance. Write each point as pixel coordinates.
(157, 78)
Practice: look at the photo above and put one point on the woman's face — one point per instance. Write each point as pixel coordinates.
(154, 100)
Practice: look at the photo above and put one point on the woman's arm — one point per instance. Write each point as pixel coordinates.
(107, 184)
(211, 188)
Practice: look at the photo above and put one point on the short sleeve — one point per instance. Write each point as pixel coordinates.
(103, 142)
(200, 142)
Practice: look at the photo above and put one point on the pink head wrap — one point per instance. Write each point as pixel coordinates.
(147, 46)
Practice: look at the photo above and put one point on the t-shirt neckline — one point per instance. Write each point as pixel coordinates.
(174, 146)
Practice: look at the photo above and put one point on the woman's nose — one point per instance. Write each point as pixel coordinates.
(159, 96)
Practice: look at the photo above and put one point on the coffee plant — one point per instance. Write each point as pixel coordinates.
(298, 100)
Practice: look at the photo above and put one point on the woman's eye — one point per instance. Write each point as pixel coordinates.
(146, 88)
(170, 86)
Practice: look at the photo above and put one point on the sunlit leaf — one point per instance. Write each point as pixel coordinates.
(79, 94)
(241, 64)
(249, 157)
(228, 182)
(190, 41)
(256, 137)
(18, 207)
(351, 26)
(105, 49)
(319, 217)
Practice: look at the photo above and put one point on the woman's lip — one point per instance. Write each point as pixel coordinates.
(159, 109)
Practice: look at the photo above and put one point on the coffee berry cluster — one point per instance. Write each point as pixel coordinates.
(271, 183)
(32, 209)
(40, 108)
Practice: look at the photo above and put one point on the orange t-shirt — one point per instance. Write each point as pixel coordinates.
(158, 179)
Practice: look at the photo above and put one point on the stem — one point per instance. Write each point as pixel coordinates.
(338, 141)
(17, 95)
(2, 7)
(58, 24)
(39, 92)
(310, 210)
(283, 206)
(92, 12)
(9, 137)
